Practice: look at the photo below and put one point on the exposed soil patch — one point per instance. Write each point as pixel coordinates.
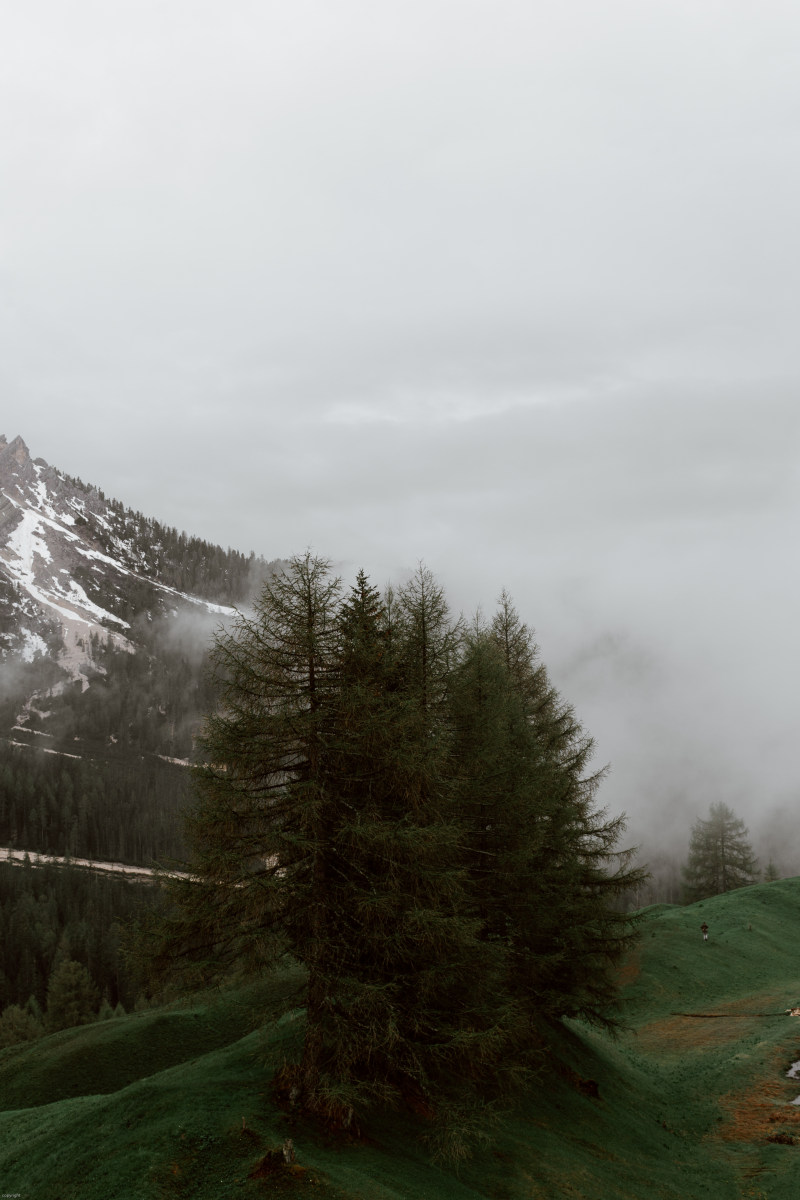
(679, 1035)
(712, 1027)
(629, 971)
(763, 1112)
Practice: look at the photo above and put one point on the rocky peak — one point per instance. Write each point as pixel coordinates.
(16, 467)
(16, 451)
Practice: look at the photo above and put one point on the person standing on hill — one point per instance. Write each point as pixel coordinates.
(704, 931)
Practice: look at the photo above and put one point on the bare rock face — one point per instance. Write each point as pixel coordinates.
(16, 451)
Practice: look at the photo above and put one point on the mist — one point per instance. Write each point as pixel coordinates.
(513, 294)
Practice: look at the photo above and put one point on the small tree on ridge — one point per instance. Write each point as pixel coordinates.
(720, 857)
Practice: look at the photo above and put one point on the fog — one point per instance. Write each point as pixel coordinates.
(508, 288)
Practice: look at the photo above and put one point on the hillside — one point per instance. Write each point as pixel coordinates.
(678, 1108)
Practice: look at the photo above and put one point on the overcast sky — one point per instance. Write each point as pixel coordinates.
(510, 286)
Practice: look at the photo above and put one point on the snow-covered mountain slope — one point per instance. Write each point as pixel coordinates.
(75, 567)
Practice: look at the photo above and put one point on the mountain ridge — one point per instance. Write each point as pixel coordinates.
(74, 564)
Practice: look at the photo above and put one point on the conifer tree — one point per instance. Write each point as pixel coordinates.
(72, 998)
(416, 1006)
(491, 775)
(18, 1025)
(259, 829)
(720, 857)
(567, 931)
(429, 641)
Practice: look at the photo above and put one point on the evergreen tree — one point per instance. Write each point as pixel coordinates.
(18, 1025)
(106, 1012)
(771, 872)
(567, 931)
(491, 775)
(720, 857)
(255, 830)
(417, 1004)
(72, 998)
(428, 642)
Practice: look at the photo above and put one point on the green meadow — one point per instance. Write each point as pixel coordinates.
(691, 1101)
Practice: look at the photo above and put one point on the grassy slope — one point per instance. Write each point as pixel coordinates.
(151, 1106)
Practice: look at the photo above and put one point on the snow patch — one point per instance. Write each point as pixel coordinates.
(26, 544)
(7, 854)
(42, 494)
(79, 596)
(44, 749)
(223, 609)
(35, 646)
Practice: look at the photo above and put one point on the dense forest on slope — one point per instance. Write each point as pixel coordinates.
(88, 778)
(188, 564)
(123, 810)
(53, 914)
(90, 774)
(150, 702)
(87, 772)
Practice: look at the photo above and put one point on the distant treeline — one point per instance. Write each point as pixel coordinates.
(189, 564)
(50, 915)
(91, 780)
(125, 810)
(150, 702)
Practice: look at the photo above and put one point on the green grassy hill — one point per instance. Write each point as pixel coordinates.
(693, 1101)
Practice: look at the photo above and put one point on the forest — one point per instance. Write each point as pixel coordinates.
(188, 564)
(101, 771)
(51, 915)
(123, 809)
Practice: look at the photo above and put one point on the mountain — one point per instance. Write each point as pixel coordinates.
(106, 617)
(75, 566)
